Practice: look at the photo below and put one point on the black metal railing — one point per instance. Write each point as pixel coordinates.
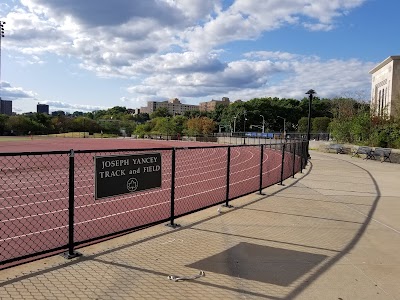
(47, 201)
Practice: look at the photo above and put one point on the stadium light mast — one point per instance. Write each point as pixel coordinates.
(2, 23)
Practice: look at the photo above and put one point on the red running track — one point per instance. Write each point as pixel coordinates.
(34, 193)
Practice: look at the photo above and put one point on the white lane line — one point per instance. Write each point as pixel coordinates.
(32, 233)
(33, 203)
(32, 216)
(203, 192)
(141, 208)
(83, 187)
(79, 187)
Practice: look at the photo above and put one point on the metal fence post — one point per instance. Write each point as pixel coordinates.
(172, 224)
(300, 145)
(261, 169)
(294, 159)
(283, 161)
(228, 170)
(71, 208)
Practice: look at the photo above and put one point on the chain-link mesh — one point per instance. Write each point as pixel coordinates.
(244, 176)
(35, 193)
(288, 161)
(271, 165)
(34, 204)
(200, 178)
(97, 218)
(298, 157)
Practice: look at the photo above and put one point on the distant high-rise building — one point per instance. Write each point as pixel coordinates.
(385, 88)
(5, 107)
(42, 108)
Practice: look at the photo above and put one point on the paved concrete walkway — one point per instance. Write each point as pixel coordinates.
(333, 232)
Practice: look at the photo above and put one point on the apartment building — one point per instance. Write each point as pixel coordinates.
(174, 106)
(211, 105)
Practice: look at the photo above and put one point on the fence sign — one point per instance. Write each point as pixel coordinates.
(122, 174)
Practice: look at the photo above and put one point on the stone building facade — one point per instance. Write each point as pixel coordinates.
(385, 88)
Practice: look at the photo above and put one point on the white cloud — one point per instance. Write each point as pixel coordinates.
(59, 105)
(271, 55)
(9, 92)
(174, 48)
(196, 9)
(287, 75)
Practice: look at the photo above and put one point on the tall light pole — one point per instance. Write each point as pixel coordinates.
(310, 93)
(2, 23)
(234, 121)
(263, 123)
(284, 126)
(244, 127)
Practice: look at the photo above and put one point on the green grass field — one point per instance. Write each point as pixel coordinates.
(14, 138)
(58, 135)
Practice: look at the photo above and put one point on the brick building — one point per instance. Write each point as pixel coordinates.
(174, 106)
(211, 105)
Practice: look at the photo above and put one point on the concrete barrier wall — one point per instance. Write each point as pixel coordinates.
(348, 148)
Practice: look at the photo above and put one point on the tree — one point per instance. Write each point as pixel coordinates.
(141, 118)
(3, 123)
(116, 110)
(160, 112)
(58, 113)
(164, 126)
(129, 126)
(44, 120)
(110, 126)
(343, 108)
(23, 125)
(61, 124)
(320, 124)
(77, 113)
(303, 125)
(340, 130)
(85, 124)
(194, 114)
(200, 126)
(180, 124)
(143, 129)
(217, 114)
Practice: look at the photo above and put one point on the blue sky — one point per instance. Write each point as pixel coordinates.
(86, 55)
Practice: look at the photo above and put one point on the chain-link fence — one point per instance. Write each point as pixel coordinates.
(57, 201)
(34, 203)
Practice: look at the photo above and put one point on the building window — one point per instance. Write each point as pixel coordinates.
(379, 103)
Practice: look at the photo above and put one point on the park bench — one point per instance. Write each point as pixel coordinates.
(369, 153)
(336, 147)
(382, 153)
